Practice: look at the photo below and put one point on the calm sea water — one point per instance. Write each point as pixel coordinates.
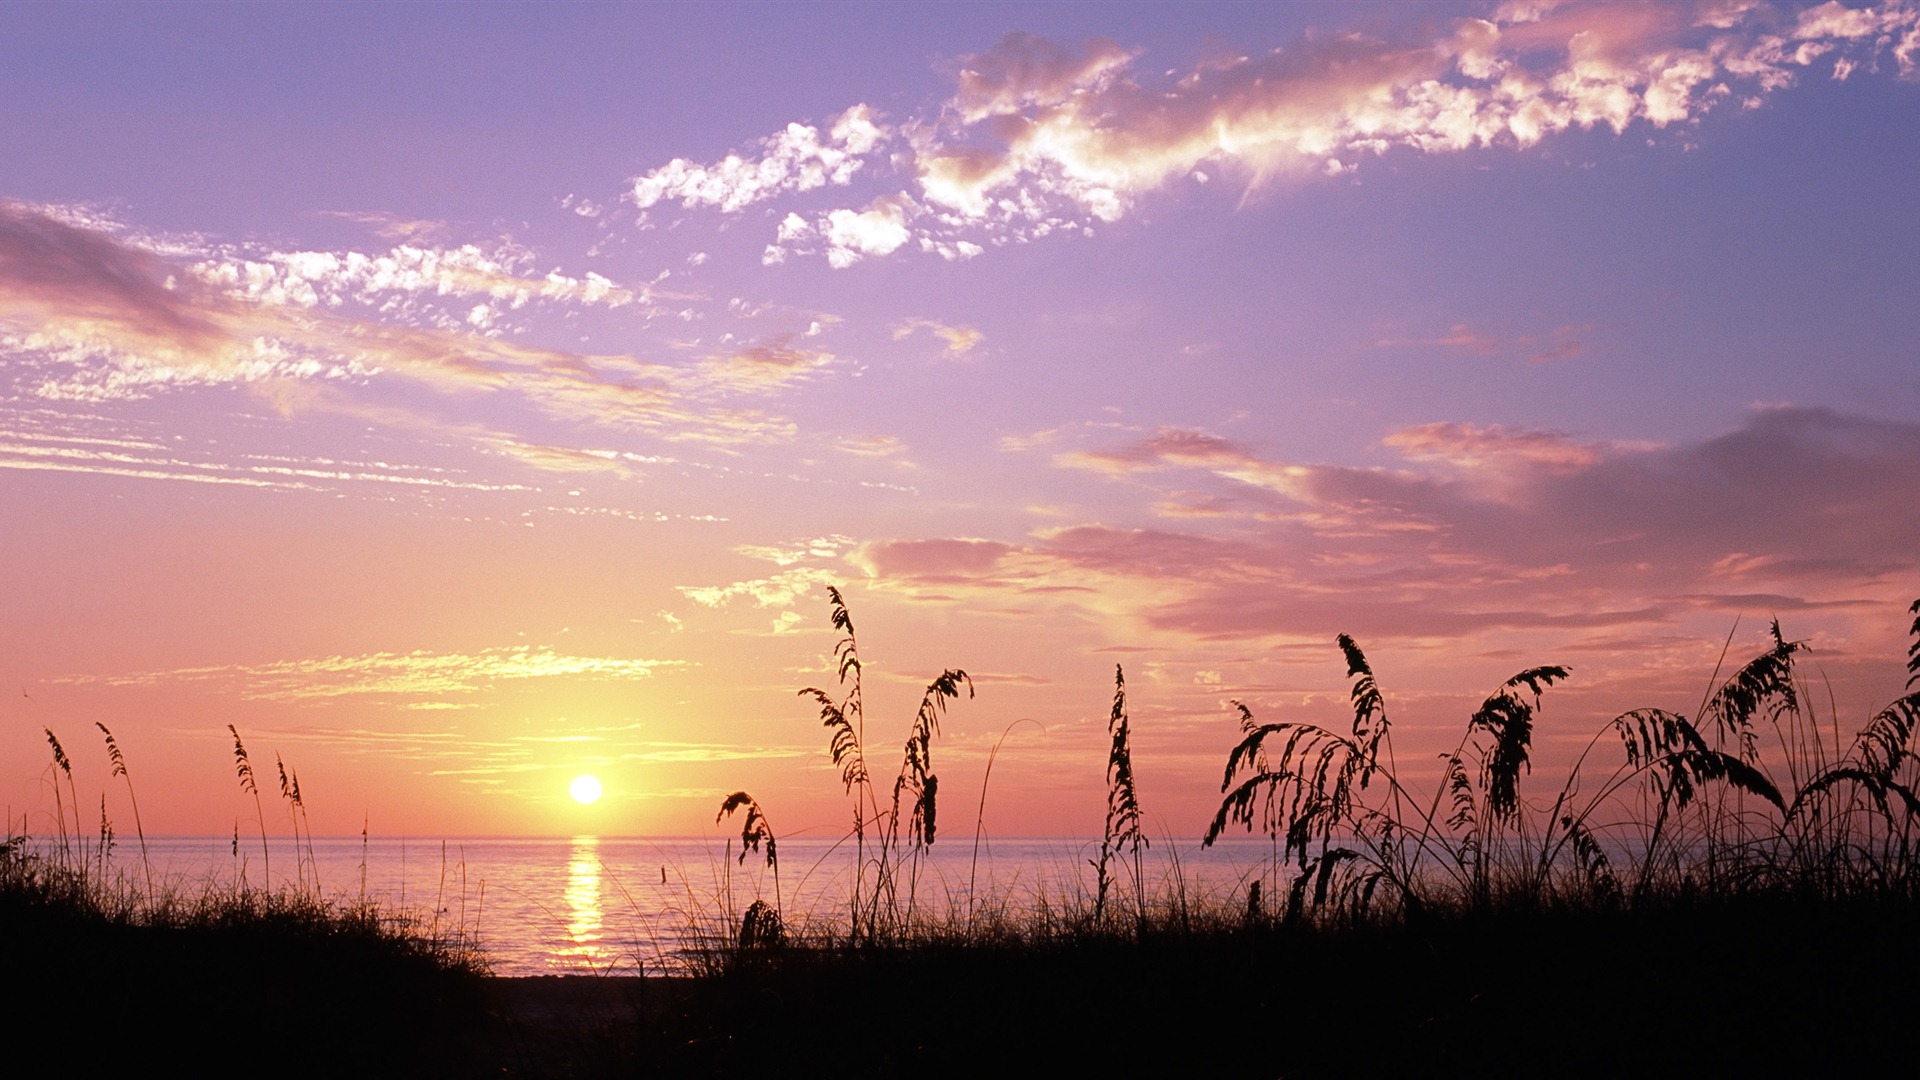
(579, 904)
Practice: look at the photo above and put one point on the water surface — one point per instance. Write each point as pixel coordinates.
(542, 906)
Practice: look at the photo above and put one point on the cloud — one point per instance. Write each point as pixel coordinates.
(871, 446)
(71, 292)
(1018, 444)
(1040, 138)
(326, 279)
(797, 159)
(779, 590)
(1490, 457)
(819, 547)
(1080, 125)
(959, 340)
(1025, 70)
(933, 560)
(392, 227)
(1893, 26)
(1167, 447)
(880, 229)
(87, 316)
(678, 753)
(31, 454)
(56, 440)
(55, 272)
(763, 367)
(1470, 446)
(415, 674)
(808, 567)
(1800, 503)
(1174, 448)
(846, 236)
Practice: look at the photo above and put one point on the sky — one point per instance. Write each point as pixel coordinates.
(456, 399)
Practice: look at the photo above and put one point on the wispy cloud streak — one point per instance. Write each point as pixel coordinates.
(398, 675)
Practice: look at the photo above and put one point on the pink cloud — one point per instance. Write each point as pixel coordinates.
(1025, 70)
(94, 317)
(1169, 447)
(1470, 446)
(55, 272)
(1799, 508)
(933, 560)
(766, 365)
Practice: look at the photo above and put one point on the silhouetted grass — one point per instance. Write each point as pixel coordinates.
(112, 966)
(879, 911)
(1735, 893)
(227, 979)
(1748, 797)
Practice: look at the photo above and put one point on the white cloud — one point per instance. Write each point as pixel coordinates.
(780, 590)
(797, 159)
(880, 229)
(819, 547)
(331, 280)
(794, 227)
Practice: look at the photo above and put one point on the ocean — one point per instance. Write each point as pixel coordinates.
(625, 905)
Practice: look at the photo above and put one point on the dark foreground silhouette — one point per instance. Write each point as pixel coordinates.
(1763, 985)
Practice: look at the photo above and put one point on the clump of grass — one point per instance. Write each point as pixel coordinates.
(755, 830)
(251, 970)
(918, 779)
(878, 910)
(845, 720)
(1694, 804)
(1123, 807)
(243, 770)
(64, 767)
(119, 763)
(296, 811)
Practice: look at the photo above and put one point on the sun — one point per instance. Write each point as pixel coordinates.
(585, 789)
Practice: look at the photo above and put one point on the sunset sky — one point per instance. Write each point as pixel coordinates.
(459, 399)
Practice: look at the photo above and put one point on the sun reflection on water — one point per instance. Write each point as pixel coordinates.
(585, 917)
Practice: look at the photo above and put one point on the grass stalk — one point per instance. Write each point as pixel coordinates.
(243, 769)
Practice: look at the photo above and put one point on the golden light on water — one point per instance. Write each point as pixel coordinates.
(584, 915)
(585, 789)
